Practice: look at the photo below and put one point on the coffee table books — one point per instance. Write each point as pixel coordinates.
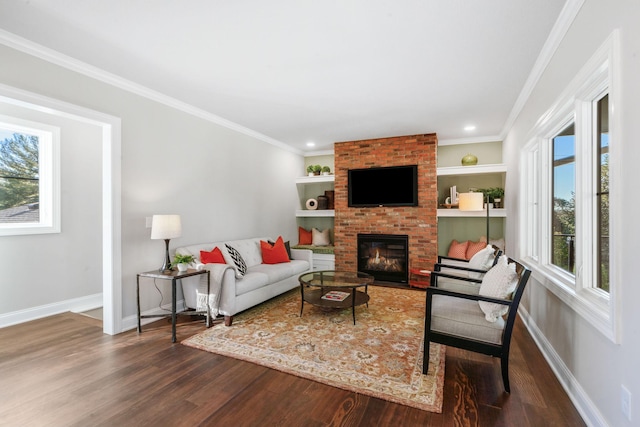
(335, 296)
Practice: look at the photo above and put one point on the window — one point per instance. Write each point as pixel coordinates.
(569, 196)
(29, 177)
(563, 199)
(602, 191)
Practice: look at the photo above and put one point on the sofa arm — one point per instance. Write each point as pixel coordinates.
(303, 255)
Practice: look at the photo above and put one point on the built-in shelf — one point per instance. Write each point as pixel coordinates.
(472, 170)
(317, 213)
(315, 179)
(452, 213)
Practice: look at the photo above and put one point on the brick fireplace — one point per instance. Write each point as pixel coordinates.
(418, 223)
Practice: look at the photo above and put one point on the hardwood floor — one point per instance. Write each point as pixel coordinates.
(63, 371)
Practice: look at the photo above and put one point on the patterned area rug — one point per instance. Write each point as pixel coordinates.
(379, 356)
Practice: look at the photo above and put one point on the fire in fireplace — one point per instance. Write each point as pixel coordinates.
(384, 256)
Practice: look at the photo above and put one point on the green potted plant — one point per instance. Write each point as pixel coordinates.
(326, 170)
(310, 170)
(495, 194)
(317, 169)
(182, 261)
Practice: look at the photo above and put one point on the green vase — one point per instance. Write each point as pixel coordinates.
(469, 160)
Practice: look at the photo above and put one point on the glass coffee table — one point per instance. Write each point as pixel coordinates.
(335, 289)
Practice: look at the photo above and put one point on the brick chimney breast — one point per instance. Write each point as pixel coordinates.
(418, 222)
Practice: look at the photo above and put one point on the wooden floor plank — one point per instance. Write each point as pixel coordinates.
(64, 371)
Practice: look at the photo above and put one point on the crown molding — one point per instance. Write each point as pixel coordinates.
(34, 49)
(559, 30)
(470, 140)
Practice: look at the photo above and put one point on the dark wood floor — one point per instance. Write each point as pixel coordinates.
(63, 371)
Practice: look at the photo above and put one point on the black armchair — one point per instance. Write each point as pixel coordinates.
(457, 319)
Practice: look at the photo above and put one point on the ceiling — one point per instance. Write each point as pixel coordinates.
(300, 70)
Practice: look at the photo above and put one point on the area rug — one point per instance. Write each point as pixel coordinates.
(379, 356)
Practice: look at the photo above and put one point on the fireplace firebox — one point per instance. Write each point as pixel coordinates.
(384, 256)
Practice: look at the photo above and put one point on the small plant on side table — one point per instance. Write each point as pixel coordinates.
(182, 261)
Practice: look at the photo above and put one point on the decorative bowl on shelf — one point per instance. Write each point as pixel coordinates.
(469, 160)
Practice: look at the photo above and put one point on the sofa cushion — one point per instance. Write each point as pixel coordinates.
(278, 272)
(251, 281)
(213, 257)
(249, 249)
(274, 253)
(237, 261)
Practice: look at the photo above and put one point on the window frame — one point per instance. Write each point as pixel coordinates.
(48, 177)
(578, 104)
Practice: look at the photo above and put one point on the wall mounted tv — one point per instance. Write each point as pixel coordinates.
(383, 186)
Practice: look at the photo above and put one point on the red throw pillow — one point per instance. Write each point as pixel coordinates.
(474, 248)
(213, 257)
(458, 249)
(304, 237)
(275, 254)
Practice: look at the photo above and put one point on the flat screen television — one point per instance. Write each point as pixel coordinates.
(383, 186)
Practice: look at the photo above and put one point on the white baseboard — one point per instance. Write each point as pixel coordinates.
(587, 409)
(75, 305)
(131, 322)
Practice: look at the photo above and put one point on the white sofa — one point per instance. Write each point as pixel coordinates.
(260, 283)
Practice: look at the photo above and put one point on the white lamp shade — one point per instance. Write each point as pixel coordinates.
(166, 227)
(471, 202)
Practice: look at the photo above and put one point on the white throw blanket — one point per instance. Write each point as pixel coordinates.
(216, 271)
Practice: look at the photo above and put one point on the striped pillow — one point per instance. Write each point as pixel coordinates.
(239, 264)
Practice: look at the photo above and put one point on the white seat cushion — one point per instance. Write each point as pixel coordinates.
(464, 318)
(252, 280)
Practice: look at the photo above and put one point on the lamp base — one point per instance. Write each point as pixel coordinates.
(166, 266)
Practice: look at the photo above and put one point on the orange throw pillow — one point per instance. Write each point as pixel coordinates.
(304, 236)
(213, 257)
(474, 248)
(275, 254)
(458, 249)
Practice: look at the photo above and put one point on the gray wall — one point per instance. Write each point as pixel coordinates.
(597, 366)
(225, 185)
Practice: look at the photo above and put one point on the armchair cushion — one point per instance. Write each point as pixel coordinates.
(499, 282)
(463, 317)
(482, 260)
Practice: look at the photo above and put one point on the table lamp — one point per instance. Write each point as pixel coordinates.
(166, 227)
(473, 202)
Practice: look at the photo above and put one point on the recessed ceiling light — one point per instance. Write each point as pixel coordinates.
(311, 144)
(470, 128)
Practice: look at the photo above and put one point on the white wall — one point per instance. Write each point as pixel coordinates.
(68, 258)
(593, 366)
(224, 184)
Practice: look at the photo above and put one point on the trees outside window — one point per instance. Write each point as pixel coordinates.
(29, 177)
(19, 178)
